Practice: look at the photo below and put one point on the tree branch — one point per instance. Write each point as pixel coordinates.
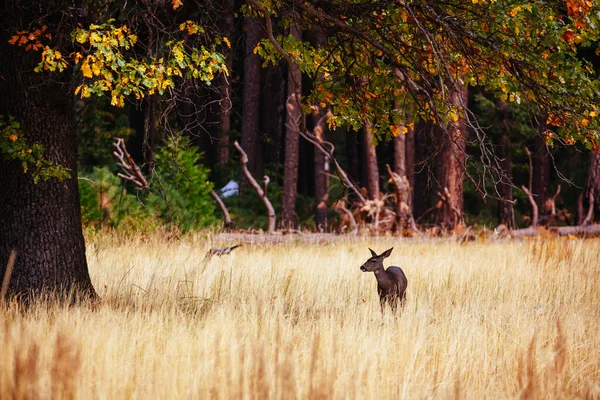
(534, 207)
(223, 208)
(132, 171)
(259, 190)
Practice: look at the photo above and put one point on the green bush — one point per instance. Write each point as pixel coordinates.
(178, 196)
(182, 197)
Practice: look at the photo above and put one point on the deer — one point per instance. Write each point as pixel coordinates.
(391, 282)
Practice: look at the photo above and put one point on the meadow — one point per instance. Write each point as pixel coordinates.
(498, 320)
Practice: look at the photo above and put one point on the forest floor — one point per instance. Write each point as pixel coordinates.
(292, 318)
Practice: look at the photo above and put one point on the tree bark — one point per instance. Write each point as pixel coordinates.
(506, 212)
(371, 163)
(42, 222)
(450, 169)
(292, 136)
(251, 95)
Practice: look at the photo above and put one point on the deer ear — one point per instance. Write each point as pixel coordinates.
(372, 252)
(387, 253)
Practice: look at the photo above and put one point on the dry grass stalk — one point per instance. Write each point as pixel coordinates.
(297, 320)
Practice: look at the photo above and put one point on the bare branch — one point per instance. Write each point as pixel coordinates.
(132, 171)
(7, 274)
(590, 213)
(223, 208)
(530, 169)
(534, 207)
(350, 217)
(259, 190)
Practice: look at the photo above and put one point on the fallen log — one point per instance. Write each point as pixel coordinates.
(577, 230)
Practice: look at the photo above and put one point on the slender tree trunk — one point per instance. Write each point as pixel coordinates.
(142, 145)
(591, 190)
(42, 222)
(292, 135)
(251, 95)
(506, 212)
(421, 189)
(541, 168)
(273, 115)
(321, 161)
(321, 176)
(410, 157)
(400, 152)
(225, 86)
(450, 169)
(371, 163)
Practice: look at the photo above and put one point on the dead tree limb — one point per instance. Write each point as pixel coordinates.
(530, 169)
(342, 209)
(551, 206)
(259, 190)
(226, 216)
(590, 214)
(528, 192)
(534, 207)
(322, 145)
(132, 171)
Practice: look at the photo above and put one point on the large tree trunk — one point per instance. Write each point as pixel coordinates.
(42, 222)
(371, 163)
(251, 105)
(506, 212)
(541, 168)
(450, 169)
(292, 135)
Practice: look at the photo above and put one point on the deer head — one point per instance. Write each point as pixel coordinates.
(376, 261)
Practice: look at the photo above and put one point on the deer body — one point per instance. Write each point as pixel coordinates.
(391, 282)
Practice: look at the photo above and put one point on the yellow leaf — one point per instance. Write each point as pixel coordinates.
(86, 70)
(96, 68)
(256, 48)
(227, 42)
(176, 4)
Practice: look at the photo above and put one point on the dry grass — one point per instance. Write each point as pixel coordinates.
(293, 320)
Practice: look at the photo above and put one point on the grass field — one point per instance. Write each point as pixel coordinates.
(293, 320)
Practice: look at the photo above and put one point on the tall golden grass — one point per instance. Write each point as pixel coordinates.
(294, 320)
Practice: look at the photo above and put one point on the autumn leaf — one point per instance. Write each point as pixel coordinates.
(86, 70)
(176, 4)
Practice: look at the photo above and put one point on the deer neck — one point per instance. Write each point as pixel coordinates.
(382, 277)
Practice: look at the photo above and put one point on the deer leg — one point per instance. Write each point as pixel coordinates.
(394, 304)
(382, 304)
(402, 300)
